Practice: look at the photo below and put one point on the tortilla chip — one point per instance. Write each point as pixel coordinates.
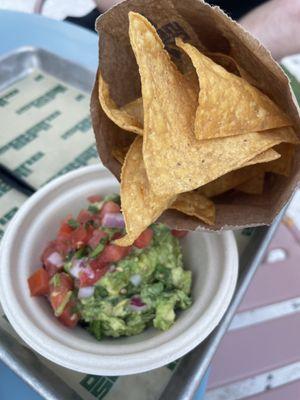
(225, 61)
(254, 185)
(231, 65)
(140, 205)
(119, 153)
(196, 205)
(229, 181)
(175, 160)
(119, 116)
(283, 166)
(265, 156)
(135, 109)
(236, 178)
(228, 104)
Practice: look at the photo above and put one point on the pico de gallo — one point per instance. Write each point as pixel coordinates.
(110, 290)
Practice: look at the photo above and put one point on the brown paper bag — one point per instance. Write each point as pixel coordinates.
(210, 30)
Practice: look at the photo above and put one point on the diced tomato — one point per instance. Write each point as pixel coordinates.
(84, 216)
(81, 236)
(179, 234)
(63, 247)
(98, 263)
(60, 289)
(89, 233)
(111, 253)
(64, 283)
(90, 276)
(109, 207)
(117, 235)
(39, 282)
(69, 317)
(56, 299)
(78, 236)
(126, 251)
(144, 239)
(94, 199)
(49, 266)
(65, 229)
(97, 235)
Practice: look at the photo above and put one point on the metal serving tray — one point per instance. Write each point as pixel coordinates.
(192, 367)
(20, 63)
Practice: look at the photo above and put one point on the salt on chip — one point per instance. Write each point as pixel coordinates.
(228, 104)
(254, 185)
(119, 116)
(171, 152)
(196, 205)
(140, 205)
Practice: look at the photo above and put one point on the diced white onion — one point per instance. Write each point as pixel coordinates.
(56, 259)
(77, 268)
(136, 279)
(113, 220)
(89, 272)
(85, 292)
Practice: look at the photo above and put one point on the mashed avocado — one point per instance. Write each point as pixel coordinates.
(112, 290)
(144, 289)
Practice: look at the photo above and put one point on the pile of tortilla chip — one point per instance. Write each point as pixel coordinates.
(198, 134)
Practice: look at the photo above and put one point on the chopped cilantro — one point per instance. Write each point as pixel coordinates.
(67, 266)
(90, 223)
(73, 223)
(69, 256)
(112, 197)
(97, 250)
(96, 329)
(93, 209)
(114, 300)
(110, 231)
(55, 280)
(81, 252)
(100, 291)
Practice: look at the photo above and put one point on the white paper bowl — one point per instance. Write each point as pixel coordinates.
(212, 257)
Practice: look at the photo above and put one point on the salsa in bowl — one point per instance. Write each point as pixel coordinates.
(212, 260)
(110, 290)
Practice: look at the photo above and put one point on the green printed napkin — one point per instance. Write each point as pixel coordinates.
(46, 129)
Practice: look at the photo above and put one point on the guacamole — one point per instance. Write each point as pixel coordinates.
(144, 289)
(110, 290)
